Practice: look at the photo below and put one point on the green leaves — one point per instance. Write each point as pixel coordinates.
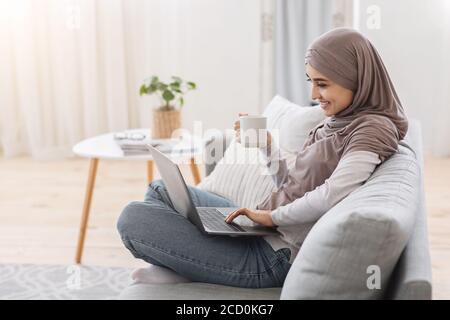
(143, 90)
(152, 88)
(149, 89)
(168, 96)
(175, 86)
(177, 79)
(161, 86)
(155, 80)
(167, 92)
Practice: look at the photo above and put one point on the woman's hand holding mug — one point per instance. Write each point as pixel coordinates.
(237, 129)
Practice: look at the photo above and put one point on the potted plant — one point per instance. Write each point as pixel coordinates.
(167, 117)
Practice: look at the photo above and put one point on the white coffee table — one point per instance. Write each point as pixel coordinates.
(104, 147)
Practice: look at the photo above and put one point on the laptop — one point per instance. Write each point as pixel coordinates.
(210, 220)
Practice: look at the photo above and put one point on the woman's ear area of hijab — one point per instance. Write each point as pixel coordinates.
(332, 97)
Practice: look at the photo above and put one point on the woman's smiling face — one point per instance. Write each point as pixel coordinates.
(332, 97)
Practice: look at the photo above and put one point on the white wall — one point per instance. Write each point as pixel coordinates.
(213, 43)
(413, 39)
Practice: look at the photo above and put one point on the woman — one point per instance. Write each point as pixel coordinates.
(364, 124)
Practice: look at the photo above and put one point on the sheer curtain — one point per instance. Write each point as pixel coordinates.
(70, 69)
(298, 23)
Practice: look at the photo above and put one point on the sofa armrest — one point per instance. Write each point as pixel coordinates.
(412, 278)
(214, 149)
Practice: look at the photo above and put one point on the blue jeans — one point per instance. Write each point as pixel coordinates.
(154, 232)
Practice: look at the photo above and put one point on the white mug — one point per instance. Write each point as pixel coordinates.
(253, 131)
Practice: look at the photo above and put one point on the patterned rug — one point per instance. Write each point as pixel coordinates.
(56, 282)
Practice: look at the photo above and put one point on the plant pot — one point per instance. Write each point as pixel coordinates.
(164, 123)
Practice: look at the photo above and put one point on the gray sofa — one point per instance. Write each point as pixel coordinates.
(372, 245)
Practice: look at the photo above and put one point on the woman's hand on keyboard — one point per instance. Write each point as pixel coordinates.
(262, 217)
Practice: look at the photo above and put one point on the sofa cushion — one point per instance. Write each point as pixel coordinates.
(360, 240)
(196, 291)
(241, 175)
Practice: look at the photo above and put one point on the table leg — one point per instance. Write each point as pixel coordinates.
(86, 208)
(150, 171)
(195, 172)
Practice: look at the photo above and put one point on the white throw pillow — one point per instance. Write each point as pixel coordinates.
(241, 175)
(292, 122)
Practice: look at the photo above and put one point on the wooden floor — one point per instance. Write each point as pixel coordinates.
(41, 202)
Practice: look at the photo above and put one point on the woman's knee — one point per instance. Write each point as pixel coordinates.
(130, 218)
(155, 184)
(154, 190)
(138, 218)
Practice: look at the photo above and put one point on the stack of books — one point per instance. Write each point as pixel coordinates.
(133, 144)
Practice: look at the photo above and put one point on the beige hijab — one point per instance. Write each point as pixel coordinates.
(375, 121)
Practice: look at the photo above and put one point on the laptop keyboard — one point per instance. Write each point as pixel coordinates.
(214, 220)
